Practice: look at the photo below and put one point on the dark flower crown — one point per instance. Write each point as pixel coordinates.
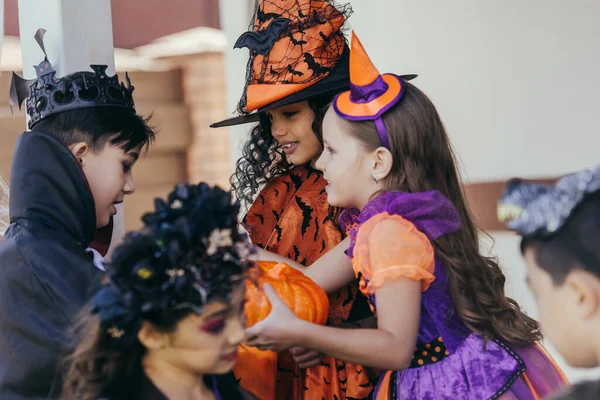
(189, 254)
(534, 209)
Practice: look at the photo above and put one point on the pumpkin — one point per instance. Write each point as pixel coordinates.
(256, 370)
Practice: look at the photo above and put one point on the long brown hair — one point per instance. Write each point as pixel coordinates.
(424, 160)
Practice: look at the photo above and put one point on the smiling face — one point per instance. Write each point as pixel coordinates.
(347, 166)
(292, 127)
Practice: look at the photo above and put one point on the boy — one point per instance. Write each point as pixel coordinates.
(561, 229)
(67, 175)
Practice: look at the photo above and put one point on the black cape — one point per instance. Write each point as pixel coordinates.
(46, 277)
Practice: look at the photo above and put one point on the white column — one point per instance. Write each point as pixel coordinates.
(78, 33)
(235, 18)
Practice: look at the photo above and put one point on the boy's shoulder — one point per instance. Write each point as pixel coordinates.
(38, 263)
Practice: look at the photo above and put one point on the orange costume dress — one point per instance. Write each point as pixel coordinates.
(298, 52)
(291, 217)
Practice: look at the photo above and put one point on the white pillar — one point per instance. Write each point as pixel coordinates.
(78, 33)
(235, 18)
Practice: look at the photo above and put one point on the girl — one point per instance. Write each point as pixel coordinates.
(560, 226)
(289, 213)
(168, 323)
(444, 327)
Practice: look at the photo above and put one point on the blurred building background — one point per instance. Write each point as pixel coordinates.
(515, 82)
(174, 54)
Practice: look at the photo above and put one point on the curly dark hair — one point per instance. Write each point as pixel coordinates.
(423, 160)
(188, 254)
(262, 158)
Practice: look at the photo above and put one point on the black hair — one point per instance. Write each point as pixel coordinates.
(574, 246)
(98, 126)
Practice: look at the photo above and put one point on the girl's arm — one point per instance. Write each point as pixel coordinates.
(265, 255)
(331, 272)
(388, 347)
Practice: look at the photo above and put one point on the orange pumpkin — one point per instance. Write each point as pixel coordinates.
(256, 370)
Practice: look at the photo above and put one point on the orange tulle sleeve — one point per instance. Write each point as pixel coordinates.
(391, 247)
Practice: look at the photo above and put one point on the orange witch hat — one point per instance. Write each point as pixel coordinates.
(297, 52)
(371, 94)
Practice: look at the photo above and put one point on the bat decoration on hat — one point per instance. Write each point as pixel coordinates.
(262, 41)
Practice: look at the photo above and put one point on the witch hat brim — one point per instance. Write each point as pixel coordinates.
(298, 52)
(336, 82)
(371, 94)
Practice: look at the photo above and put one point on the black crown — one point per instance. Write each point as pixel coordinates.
(48, 95)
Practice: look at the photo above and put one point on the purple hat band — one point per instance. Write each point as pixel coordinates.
(367, 94)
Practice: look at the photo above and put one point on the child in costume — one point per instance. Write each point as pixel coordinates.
(560, 226)
(67, 175)
(292, 76)
(169, 322)
(445, 329)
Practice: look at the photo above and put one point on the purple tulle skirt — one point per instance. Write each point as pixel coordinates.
(471, 372)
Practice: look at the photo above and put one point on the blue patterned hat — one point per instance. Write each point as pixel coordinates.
(531, 208)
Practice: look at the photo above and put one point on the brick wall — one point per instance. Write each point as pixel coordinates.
(205, 96)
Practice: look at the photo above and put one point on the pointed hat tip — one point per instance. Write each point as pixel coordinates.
(362, 69)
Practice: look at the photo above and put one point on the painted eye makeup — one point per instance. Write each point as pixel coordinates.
(214, 326)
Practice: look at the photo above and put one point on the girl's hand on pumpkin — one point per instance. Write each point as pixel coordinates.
(306, 358)
(277, 332)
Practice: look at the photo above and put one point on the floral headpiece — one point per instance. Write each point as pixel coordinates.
(189, 254)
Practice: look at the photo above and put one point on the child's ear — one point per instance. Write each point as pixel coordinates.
(585, 293)
(80, 150)
(383, 163)
(151, 338)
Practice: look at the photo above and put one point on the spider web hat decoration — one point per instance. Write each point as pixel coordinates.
(48, 95)
(371, 94)
(298, 51)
